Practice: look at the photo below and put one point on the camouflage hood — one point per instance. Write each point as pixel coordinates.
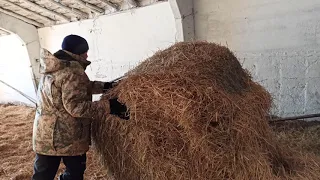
(50, 63)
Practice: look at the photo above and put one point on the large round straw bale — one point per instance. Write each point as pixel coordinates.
(195, 114)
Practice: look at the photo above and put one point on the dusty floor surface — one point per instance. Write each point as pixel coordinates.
(301, 135)
(16, 155)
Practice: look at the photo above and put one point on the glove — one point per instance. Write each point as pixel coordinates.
(108, 85)
(118, 109)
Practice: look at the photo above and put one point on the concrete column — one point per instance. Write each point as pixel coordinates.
(184, 16)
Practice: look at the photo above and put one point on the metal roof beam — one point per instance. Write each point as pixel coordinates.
(133, 3)
(111, 5)
(47, 10)
(71, 10)
(93, 8)
(4, 32)
(28, 11)
(18, 16)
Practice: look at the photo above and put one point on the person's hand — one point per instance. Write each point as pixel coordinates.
(118, 109)
(108, 85)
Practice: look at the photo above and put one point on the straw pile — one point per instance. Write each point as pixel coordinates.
(195, 114)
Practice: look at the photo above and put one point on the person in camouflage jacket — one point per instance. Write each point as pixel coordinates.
(65, 110)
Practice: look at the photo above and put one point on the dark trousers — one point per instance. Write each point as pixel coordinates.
(46, 167)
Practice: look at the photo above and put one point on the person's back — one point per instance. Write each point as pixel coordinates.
(65, 111)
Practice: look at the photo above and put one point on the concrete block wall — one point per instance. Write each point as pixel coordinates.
(118, 42)
(278, 41)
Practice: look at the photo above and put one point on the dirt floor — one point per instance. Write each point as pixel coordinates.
(16, 155)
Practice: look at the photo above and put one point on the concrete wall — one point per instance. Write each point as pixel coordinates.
(15, 70)
(118, 42)
(184, 18)
(29, 36)
(278, 41)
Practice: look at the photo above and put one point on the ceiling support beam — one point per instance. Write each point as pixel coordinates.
(132, 3)
(46, 10)
(93, 8)
(71, 10)
(22, 18)
(4, 32)
(111, 5)
(28, 11)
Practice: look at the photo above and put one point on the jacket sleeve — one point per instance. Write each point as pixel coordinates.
(75, 98)
(97, 87)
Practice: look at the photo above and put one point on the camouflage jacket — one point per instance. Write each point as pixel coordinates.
(64, 109)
